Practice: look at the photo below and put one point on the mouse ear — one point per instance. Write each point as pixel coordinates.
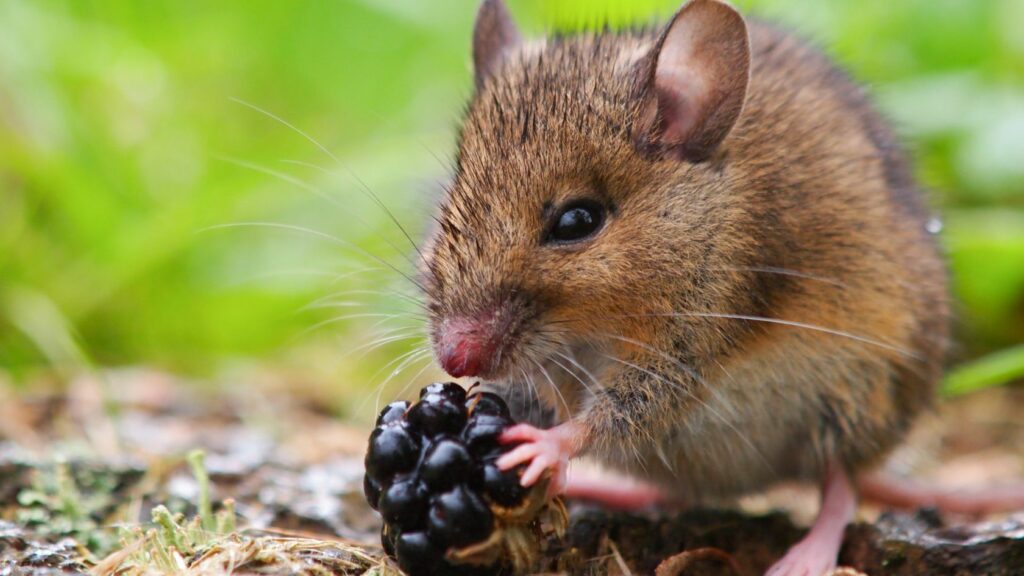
(696, 81)
(494, 35)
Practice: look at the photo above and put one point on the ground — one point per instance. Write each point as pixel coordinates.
(102, 475)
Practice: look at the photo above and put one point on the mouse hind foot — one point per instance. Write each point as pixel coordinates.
(817, 552)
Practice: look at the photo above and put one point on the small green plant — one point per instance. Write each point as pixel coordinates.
(173, 538)
(61, 503)
(208, 543)
(197, 462)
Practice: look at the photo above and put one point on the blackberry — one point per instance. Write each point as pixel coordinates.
(445, 464)
(437, 414)
(372, 491)
(490, 404)
(447, 507)
(404, 504)
(392, 412)
(393, 449)
(482, 431)
(503, 487)
(417, 554)
(450, 390)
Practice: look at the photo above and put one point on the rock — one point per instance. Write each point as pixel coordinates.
(23, 553)
(920, 544)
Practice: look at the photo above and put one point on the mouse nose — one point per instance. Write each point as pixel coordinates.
(464, 358)
(466, 348)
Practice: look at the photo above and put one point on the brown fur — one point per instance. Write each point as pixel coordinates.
(806, 212)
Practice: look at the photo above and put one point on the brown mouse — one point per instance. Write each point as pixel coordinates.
(699, 250)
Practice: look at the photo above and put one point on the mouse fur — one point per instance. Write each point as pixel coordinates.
(747, 313)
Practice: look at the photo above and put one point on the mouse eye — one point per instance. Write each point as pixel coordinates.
(577, 221)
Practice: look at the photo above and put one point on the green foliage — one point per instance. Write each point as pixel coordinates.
(121, 145)
(992, 370)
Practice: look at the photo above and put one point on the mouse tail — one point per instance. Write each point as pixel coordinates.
(896, 492)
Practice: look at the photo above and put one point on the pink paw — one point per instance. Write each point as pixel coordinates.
(807, 558)
(543, 449)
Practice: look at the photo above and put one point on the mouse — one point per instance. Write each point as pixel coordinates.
(694, 252)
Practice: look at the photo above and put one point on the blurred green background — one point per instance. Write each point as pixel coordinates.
(132, 143)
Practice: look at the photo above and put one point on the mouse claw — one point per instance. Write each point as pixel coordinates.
(544, 450)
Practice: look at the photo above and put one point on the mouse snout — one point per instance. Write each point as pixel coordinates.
(465, 357)
(470, 346)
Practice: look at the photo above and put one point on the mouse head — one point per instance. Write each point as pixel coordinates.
(586, 175)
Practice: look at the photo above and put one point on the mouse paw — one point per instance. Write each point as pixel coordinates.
(545, 450)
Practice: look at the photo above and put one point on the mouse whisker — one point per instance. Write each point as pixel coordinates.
(406, 359)
(315, 191)
(579, 366)
(711, 410)
(321, 304)
(816, 328)
(553, 386)
(389, 313)
(782, 272)
(561, 321)
(529, 391)
(345, 317)
(345, 293)
(371, 346)
(357, 272)
(693, 373)
(307, 331)
(337, 277)
(368, 192)
(320, 235)
(429, 362)
(536, 394)
(791, 323)
(639, 432)
(337, 162)
(400, 360)
(570, 373)
(410, 357)
(414, 326)
(373, 311)
(297, 272)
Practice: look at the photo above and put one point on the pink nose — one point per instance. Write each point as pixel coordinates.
(466, 348)
(465, 358)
